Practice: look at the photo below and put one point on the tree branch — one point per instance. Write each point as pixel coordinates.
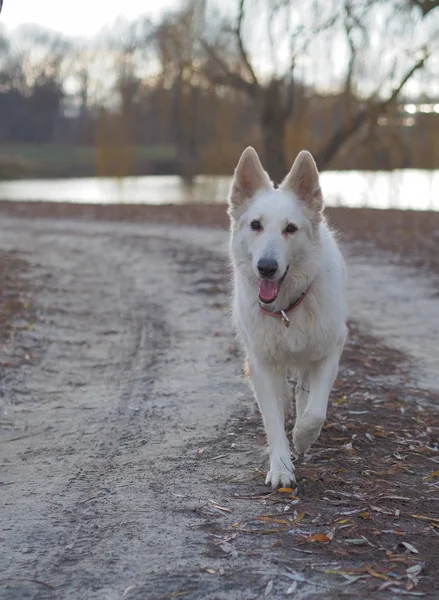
(369, 113)
(229, 78)
(351, 44)
(242, 52)
(289, 97)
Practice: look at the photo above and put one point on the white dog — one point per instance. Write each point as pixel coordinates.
(289, 300)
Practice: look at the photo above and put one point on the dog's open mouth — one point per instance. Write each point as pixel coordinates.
(269, 289)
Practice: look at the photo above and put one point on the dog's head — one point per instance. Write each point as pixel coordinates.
(275, 232)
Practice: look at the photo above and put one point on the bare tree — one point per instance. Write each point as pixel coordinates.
(31, 83)
(178, 51)
(43, 52)
(377, 71)
(273, 49)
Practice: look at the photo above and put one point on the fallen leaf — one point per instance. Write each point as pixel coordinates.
(350, 512)
(295, 576)
(269, 588)
(319, 537)
(434, 519)
(402, 558)
(274, 520)
(394, 531)
(399, 456)
(432, 476)
(265, 531)
(383, 433)
(209, 570)
(286, 490)
(374, 573)
(384, 511)
(396, 590)
(292, 588)
(365, 514)
(277, 544)
(347, 526)
(414, 570)
(410, 547)
(127, 590)
(350, 580)
(402, 498)
(218, 507)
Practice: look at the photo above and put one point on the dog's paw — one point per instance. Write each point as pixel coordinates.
(281, 473)
(305, 434)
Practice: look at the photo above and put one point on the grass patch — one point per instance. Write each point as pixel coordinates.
(52, 160)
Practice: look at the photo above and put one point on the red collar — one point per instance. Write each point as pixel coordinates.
(282, 314)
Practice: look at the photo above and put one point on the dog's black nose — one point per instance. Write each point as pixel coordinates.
(267, 267)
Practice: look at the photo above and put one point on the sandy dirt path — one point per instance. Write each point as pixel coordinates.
(129, 434)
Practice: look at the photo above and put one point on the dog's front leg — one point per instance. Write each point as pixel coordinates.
(309, 423)
(269, 386)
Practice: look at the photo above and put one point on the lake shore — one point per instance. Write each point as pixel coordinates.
(410, 237)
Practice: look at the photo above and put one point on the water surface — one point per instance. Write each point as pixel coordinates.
(404, 189)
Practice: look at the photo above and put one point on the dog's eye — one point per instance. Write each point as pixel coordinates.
(290, 228)
(256, 225)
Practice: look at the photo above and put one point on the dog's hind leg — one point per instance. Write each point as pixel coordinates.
(287, 397)
(269, 385)
(301, 393)
(308, 425)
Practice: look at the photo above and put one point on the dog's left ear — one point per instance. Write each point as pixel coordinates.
(303, 181)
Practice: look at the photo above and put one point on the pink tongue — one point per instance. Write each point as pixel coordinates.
(267, 289)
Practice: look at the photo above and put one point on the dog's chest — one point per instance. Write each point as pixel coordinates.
(269, 338)
(279, 342)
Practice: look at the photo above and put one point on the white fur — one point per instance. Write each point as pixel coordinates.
(312, 345)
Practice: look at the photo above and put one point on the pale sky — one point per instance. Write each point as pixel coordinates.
(78, 17)
(85, 18)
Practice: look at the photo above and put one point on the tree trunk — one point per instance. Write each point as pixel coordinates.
(186, 120)
(273, 127)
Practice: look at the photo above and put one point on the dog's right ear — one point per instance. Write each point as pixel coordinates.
(249, 178)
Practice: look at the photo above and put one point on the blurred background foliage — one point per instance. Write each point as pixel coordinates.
(354, 81)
